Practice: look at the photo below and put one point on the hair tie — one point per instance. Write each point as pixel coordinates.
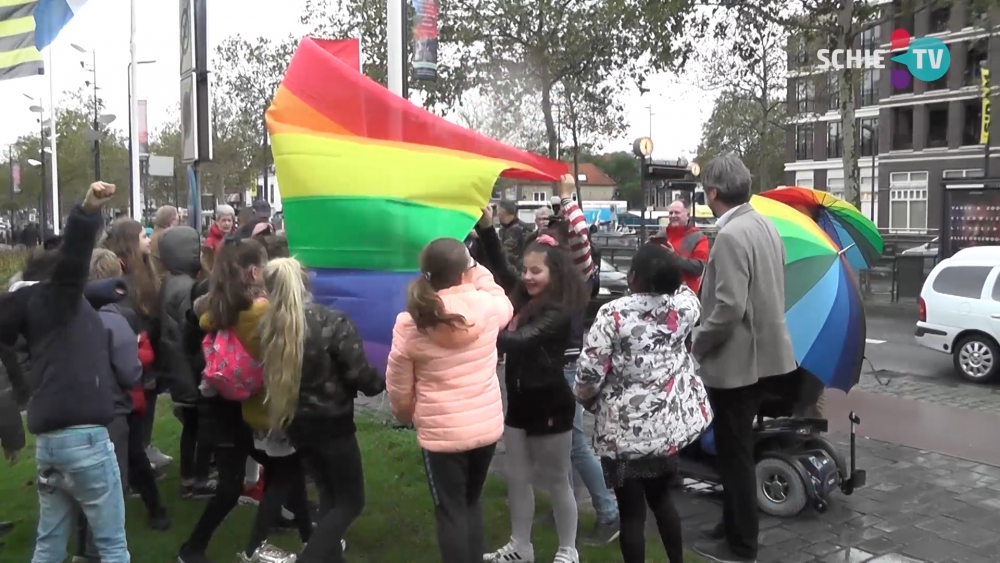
(427, 275)
(547, 240)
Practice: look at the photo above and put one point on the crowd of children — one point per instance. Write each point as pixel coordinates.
(257, 370)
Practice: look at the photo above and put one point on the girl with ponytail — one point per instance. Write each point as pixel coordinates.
(314, 367)
(442, 376)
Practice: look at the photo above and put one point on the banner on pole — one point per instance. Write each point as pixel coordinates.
(425, 39)
(984, 134)
(143, 129)
(15, 178)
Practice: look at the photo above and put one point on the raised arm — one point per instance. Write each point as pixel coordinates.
(483, 280)
(579, 236)
(504, 273)
(72, 268)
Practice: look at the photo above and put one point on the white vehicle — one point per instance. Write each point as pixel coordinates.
(960, 312)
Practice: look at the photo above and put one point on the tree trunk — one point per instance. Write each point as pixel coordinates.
(550, 125)
(576, 151)
(765, 100)
(845, 40)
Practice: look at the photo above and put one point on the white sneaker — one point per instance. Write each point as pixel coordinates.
(567, 555)
(511, 553)
(158, 459)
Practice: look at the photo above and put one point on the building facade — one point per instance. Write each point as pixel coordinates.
(909, 140)
(595, 185)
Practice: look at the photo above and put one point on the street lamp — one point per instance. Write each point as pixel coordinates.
(40, 163)
(98, 119)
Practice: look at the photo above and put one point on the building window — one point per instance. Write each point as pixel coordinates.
(805, 94)
(871, 38)
(833, 91)
(968, 173)
(869, 87)
(977, 57)
(834, 140)
(908, 201)
(940, 17)
(799, 53)
(835, 186)
(902, 129)
(939, 84)
(899, 67)
(972, 122)
(867, 136)
(978, 14)
(937, 126)
(539, 196)
(804, 179)
(904, 14)
(804, 142)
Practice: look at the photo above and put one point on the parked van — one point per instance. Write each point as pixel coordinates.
(960, 312)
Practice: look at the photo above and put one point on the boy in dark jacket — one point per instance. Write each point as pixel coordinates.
(73, 402)
(180, 249)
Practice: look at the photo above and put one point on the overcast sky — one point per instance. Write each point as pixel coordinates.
(679, 110)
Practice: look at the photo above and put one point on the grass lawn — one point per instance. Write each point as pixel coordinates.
(396, 526)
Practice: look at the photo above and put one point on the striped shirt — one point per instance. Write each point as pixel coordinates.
(579, 240)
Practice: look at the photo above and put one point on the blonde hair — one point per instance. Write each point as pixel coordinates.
(104, 264)
(282, 332)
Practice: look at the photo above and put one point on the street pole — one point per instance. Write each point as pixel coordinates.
(133, 126)
(41, 158)
(131, 192)
(97, 123)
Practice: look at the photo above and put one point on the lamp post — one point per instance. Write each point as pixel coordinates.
(131, 165)
(40, 163)
(98, 118)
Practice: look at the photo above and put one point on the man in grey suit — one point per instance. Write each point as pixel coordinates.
(742, 346)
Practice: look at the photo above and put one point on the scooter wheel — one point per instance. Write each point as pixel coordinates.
(780, 490)
(820, 506)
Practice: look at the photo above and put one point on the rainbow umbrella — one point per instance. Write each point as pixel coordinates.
(367, 179)
(826, 319)
(850, 230)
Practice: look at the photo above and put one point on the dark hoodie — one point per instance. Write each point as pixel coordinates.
(66, 339)
(123, 343)
(179, 251)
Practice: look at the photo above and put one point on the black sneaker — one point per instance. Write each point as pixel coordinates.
(5, 528)
(200, 490)
(187, 555)
(603, 534)
(159, 521)
(720, 552)
(714, 533)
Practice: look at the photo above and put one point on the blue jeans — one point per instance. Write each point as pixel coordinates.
(585, 463)
(77, 466)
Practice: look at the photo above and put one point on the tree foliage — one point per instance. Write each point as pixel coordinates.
(735, 127)
(623, 168)
(521, 48)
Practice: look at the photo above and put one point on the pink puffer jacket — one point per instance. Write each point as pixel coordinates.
(445, 380)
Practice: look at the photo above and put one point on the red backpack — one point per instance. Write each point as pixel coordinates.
(229, 368)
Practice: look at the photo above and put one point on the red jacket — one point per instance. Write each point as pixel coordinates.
(692, 246)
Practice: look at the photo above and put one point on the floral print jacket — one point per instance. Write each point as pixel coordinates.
(638, 378)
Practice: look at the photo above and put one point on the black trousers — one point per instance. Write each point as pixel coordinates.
(735, 411)
(456, 481)
(231, 462)
(632, 498)
(195, 458)
(335, 466)
(148, 421)
(285, 486)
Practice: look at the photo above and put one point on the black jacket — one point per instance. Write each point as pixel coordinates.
(180, 252)
(14, 395)
(334, 370)
(536, 349)
(66, 338)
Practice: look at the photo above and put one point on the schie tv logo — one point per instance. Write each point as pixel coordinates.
(926, 58)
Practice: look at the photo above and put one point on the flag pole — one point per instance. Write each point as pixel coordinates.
(56, 213)
(134, 181)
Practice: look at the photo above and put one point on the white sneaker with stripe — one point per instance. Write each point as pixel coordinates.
(511, 553)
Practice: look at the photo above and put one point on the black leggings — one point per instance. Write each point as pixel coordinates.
(195, 458)
(632, 498)
(335, 465)
(231, 462)
(285, 486)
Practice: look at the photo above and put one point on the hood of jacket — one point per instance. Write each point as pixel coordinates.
(180, 250)
(19, 284)
(460, 300)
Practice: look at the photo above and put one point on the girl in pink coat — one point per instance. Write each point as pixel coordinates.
(442, 376)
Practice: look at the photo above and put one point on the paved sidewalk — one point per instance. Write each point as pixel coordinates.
(918, 507)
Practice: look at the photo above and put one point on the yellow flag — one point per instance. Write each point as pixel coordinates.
(984, 134)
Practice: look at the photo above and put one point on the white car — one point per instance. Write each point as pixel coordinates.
(960, 312)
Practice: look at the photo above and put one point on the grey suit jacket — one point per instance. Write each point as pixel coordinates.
(743, 336)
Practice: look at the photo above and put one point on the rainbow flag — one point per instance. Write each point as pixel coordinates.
(368, 179)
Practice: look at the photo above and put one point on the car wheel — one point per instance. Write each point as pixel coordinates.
(977, 358)
(780, 490)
